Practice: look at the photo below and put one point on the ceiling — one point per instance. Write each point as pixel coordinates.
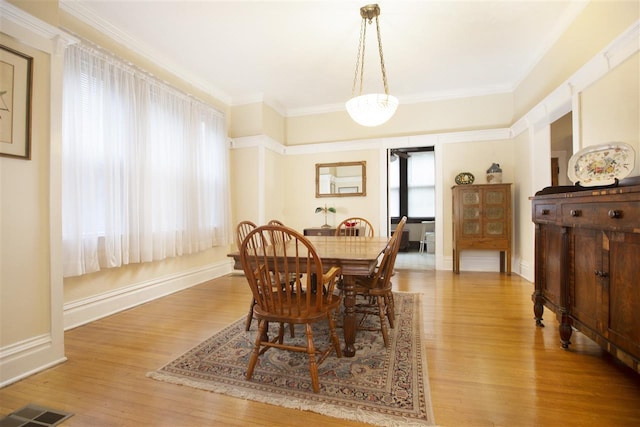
(299, 56)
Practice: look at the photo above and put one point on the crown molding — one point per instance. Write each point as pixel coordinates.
(32, 31)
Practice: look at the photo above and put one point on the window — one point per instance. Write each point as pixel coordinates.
(412, 183)
(145, 167)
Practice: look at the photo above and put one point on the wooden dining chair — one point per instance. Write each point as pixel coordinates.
(282, 278)
(375, 292)
(242, 230)
(355, 226)
(276, 222)
(301, 301)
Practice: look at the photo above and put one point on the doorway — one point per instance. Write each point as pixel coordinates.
(561, 132)
(412, 193)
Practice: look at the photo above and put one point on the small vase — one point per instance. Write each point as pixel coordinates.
(494, 174)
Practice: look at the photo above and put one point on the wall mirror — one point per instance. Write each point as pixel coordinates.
(345, 179)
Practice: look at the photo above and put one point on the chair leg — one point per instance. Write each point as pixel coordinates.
(247, 324)
(334, 336)
(382, 309)
(391, 309)
(262, 329)
(313, 366)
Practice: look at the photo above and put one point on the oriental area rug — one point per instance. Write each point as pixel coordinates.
(379, 386)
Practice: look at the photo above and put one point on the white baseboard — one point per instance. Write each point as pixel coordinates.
(80, 312)
(25, 358)
(485, 261)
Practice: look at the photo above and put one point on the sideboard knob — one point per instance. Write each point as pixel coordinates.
(575, 212)
(614, 213)
(545, 211)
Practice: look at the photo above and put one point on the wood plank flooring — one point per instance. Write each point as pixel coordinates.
(488, 363)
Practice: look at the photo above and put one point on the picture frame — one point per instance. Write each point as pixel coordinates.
(16, 79)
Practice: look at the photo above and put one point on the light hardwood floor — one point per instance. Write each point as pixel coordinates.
(488, 363)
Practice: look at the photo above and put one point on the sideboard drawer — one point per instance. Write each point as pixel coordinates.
(319, 231)
(607, 215)
(544, 212)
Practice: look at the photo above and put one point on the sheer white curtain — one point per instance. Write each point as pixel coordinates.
(145, 167)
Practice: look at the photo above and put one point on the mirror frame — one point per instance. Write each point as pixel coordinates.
(361, 193)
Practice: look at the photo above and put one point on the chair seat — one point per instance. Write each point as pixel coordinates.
(308, 312)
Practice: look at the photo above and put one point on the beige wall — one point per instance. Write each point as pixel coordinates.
(598, 24)
(274, 179)
(25, 288)
(299, 188)
(485, 112)
(246, 120)
(523, 243)
(609, 113)
(245, 183)
(46, 10)
(257, 119)
(101, 284)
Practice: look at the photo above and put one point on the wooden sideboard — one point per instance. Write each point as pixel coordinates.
(587, 266)
(482, 221)
(319, 231)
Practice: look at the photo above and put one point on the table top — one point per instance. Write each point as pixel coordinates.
(354, 254)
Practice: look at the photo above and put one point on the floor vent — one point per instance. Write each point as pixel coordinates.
(34, 416)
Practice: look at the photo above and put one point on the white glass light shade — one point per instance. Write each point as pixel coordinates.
(373, 109)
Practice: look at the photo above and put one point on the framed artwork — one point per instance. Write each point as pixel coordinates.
(15, 103)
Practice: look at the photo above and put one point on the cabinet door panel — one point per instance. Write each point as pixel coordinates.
(585, 288)
(624, 291)
(552, 255)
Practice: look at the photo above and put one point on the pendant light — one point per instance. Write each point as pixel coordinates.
(376, 108)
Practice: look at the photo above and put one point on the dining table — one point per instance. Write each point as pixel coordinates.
(356, 256)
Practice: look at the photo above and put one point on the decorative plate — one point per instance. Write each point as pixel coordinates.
(601, 164)
(465, 178)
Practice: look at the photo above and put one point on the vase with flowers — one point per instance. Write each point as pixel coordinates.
(325, 210)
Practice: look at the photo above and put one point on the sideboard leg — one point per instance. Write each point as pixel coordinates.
(565, 331)
(538, 307)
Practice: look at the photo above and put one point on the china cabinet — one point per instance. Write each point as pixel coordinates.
(482, 221)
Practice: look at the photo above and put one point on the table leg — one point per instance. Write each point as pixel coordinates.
(349, 320)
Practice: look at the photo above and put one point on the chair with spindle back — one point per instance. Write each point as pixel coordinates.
(355, 226)
(242, 230)
(376, 289)
(299, 301)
